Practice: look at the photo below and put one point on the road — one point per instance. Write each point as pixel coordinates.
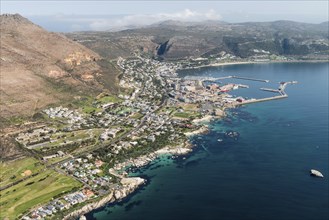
(163, 102)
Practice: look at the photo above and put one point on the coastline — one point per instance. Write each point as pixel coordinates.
(202, 130)
(254, 62)
(131, 184)
(208, 118)
(145, 209)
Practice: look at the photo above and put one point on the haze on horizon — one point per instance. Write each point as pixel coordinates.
(67, 16)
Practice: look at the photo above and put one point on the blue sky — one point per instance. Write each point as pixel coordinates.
(104, 15)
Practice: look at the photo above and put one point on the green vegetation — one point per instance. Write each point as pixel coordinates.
(137, 115)
(90, 109)
(134, 152)
(124, 110)
(91, 105)
(57, 159)
(109, 98)
(14, 170)
(35, 191)
(86, 104)
(168, 109)
(17, 120)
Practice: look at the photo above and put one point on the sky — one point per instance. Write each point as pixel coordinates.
(66, 16)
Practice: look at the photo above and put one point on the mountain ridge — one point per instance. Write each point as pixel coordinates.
(170, 40)
(39, 68)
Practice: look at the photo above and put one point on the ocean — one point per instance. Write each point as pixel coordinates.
(262, 173)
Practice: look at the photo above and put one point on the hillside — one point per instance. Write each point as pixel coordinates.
(39, 68)
(177, 40)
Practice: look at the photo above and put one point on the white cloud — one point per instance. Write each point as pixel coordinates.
(146, 19)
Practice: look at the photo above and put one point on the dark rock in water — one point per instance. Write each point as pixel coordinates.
(132, 204)
(232, 134)
(155, 167)
(191, 163)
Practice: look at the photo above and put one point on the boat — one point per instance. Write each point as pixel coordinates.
(316, 173)
(220, 140)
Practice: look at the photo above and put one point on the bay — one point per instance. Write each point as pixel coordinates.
(262, 174)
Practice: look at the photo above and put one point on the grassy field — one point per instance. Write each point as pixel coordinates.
(109, 98)
(14, 170)
(137, 115)
(33, 192)
(90, 109)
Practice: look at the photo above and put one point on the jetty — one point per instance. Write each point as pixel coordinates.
(252, 79)
(270, 90)
(249, 101)
(280, 90)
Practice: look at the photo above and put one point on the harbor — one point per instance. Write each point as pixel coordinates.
(253, 158)
(280, 90)
(230, 86)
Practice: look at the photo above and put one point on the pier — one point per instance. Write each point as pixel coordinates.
(262, 99)
(280, 90)
(270, 90)
(252, 79)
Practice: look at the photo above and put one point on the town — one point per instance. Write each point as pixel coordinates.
(96, 144)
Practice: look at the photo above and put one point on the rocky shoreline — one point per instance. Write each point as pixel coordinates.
(129, 186)
(204, 129)
(141, 161)
(207, 118)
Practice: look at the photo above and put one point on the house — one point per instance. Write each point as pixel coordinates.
(87, 192)
(212, 87)
(60, 153)
(98, 163)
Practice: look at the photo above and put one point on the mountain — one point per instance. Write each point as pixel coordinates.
(39, 68)
(181, 40)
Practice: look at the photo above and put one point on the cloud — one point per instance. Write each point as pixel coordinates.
(68, 23)
(146, 19)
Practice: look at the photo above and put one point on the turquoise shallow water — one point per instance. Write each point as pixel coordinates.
(263, 174)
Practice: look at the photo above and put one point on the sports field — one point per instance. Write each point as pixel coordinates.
(18, 169)
(34, 191)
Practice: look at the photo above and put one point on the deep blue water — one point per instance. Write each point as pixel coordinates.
(263, 174)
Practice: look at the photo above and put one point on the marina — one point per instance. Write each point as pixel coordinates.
(280, 90)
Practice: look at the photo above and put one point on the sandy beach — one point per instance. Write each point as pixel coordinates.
(256, 62)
